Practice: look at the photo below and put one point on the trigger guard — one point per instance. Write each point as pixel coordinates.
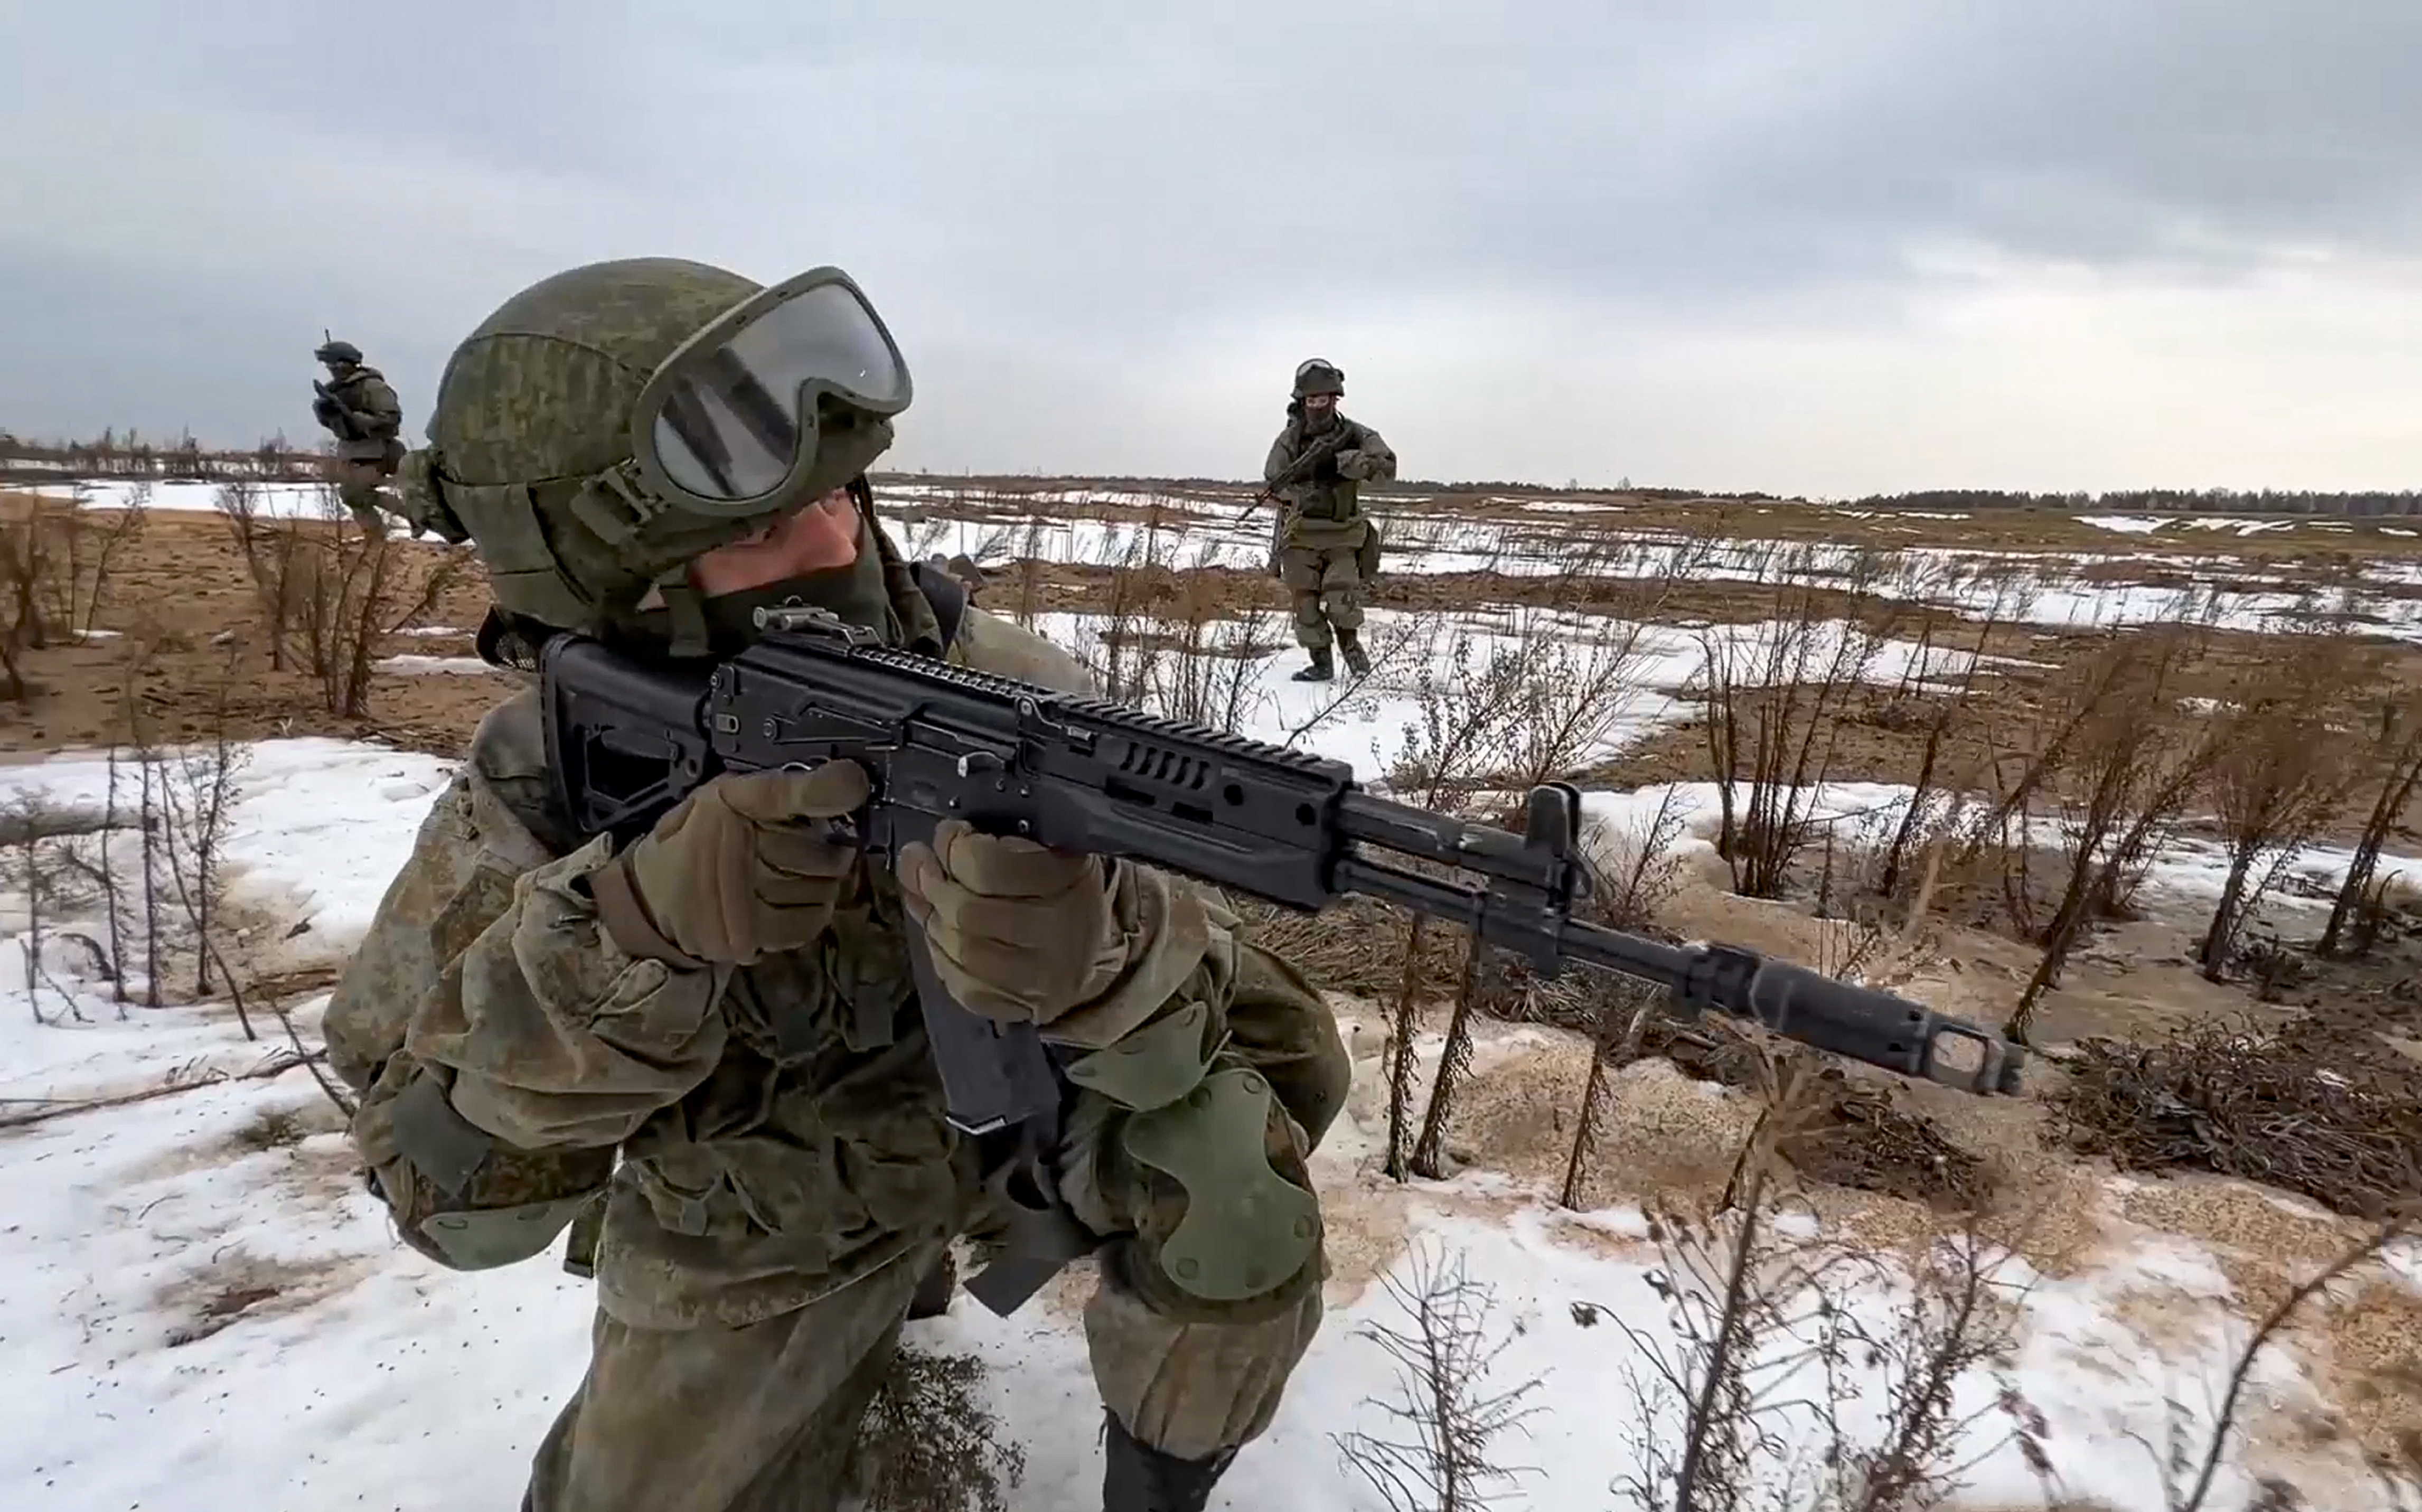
(1247, 1230)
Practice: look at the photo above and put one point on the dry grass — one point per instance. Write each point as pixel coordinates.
(928, 1443)
(2294, 1109)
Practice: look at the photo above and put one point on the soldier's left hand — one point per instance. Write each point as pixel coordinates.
(1019, 932)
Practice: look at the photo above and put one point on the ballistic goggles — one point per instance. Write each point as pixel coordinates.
(731, 419)
(1318, 375)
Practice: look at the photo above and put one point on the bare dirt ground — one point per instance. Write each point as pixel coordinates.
(182, 605)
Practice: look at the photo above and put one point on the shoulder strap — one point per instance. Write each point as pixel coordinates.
(945, 593)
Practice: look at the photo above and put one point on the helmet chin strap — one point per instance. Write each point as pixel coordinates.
(686, 611)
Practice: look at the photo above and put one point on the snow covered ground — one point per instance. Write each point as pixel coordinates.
(202, 1308)
(1194, 530)
(275, 500)
(2232, 524)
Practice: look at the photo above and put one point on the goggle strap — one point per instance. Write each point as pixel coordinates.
(616, 518)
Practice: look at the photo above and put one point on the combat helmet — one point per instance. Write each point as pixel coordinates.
(332, 352)
(1318, 375)
(609, 424)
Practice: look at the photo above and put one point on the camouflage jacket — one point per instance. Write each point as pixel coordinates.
(375, 410)
(1325, 514)
(781, 1125)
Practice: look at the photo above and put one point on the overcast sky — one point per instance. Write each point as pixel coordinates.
(1804, 247)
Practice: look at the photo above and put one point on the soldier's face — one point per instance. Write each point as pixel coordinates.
(1319, 406)
(818, 538)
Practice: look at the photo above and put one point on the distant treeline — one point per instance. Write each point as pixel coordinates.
(1012, 482)
(2159, 501)
(132, 455)
(276, 460)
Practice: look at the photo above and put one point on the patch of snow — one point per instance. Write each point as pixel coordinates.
(2237, 524)
(2124, 524)
(1567, 506)
(278, 500)
(2042, 588)
(410, 664)
(1366, 724)
(2193, 867)
(329, 821)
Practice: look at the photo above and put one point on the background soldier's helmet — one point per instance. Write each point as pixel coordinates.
(1319, 376)
(335, 351)
(531, 451)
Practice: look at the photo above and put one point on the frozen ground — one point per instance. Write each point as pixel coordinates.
(1524, 538)
(199, 1317)
(2190, 868)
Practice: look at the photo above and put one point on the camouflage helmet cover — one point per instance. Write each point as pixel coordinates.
(333, 351)
(530, 449)
(1318, 375)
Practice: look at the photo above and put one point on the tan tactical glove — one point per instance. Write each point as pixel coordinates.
(742, 868)
(1019, 932)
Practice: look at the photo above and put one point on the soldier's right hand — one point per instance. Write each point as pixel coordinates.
(744, 867)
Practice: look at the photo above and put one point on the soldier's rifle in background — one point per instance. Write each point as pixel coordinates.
(334, 415)
(1302, 468)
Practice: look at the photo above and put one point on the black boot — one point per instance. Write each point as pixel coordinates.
(1138, 1479)
(1349, 645)
(1321, 670)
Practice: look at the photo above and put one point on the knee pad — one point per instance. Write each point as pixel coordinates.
(1246, 1230)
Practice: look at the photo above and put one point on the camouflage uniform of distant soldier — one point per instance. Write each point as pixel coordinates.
(727, 1000)
(360, 410)
(1328, 548)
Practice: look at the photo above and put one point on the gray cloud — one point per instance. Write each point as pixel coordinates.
(1583, 242)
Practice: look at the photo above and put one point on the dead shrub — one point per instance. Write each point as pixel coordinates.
(42, 876)
(2394, 755)
(1354, 945)
(1774, 700)
(2299, 1109)
(1547, 699)
(54, 564)
(1751, 1306)
(928, 1444)
(1714, 1405)
(1846, 1133)
(2123, 765)
(272, 1128)
(2280, 770)
(333, 588)
(1439, 1451)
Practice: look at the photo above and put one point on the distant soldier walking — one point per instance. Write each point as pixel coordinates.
(1328, 550)
(360, 410)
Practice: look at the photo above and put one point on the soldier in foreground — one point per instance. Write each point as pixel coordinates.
(1327, 549)
(358, 407)
(646, 451)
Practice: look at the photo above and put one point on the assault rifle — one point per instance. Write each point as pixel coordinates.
(334, 415)
(626, 741)
(1302, 468)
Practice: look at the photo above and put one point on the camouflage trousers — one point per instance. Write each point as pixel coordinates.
(1326, 583)
(357, 488)
(760, 1418)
